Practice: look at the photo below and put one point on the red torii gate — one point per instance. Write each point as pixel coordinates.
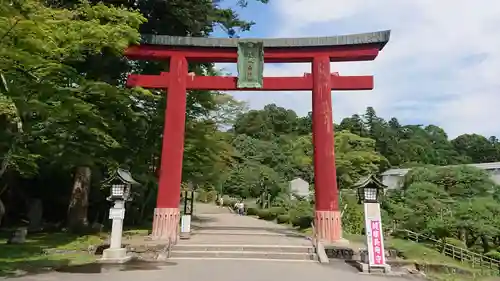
(319, 51)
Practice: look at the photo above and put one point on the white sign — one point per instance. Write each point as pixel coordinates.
(116, 213)
(374, 235)
(186, 223)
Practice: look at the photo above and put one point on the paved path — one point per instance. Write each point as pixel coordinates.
(212, 218)
(234, 229)
(220, 270)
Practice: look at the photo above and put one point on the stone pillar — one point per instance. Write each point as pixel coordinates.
(166, 216)
(115, 253)
(115, 241)
(327, 218)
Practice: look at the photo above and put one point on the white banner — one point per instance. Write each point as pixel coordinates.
(374, 234)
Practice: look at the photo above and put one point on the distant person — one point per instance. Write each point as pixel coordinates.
(237, 207)
(221, 201)
(241, 208)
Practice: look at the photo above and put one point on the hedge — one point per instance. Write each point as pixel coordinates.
(493, 254)
(276, 211)
(252, 211)
(228, 201)
(266, 214)
(302, 222)
(211, 196)
(283, 219)
(201, 195)
(204, 196)
(455, 242)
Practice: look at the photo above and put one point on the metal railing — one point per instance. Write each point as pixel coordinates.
(462, 255)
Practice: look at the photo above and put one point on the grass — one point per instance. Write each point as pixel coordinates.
(70, 249)
(426, 255)
(29, 257)
(423, 255)
(412, 251)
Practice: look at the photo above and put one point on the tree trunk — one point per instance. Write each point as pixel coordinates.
(462, 235)
(5, 162)
(79, 200)
(485, 243)
(470, 239)
(2, 211)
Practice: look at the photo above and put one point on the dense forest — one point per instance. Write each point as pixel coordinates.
(68, 121)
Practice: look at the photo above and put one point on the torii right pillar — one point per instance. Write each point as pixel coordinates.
(328, 221)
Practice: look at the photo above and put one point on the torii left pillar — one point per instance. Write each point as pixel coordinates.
(166, 214)
(327, 219)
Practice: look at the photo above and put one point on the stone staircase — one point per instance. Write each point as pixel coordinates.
(244, 252)
(217, 234)
(246, 239)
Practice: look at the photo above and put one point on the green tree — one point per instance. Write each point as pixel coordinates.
(477, 148)
(457, 202)
(61, 112)
(355, 157)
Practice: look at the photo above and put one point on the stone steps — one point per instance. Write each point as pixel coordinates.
(227, 236)
(241, 252)
(237, 232)
(243, 248)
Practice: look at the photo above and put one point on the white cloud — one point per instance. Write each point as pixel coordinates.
(441, 65)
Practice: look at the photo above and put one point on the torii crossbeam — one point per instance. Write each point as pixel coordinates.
(225, 83)
(319, 51)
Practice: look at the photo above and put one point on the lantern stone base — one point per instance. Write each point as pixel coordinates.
(115, 256)
(166, 224)
(329, 227)
(366, 268)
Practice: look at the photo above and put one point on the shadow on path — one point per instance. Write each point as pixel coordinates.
(134, 265)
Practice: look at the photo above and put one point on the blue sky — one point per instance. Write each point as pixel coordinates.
(441, 66)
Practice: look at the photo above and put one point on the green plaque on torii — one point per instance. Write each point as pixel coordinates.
(250, 64)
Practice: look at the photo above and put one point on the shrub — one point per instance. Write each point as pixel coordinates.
(211, 196)
(276, 211)
(262, 213)
(455, 242)
(228, 201)
(353, 219)
(494, 255)
(283, 219)
(201, 195)
(231, 202)
(252, 211)
(302, 222)
(266, 214)
(302, 215)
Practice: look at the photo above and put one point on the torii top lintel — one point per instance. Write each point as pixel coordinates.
(353, 47)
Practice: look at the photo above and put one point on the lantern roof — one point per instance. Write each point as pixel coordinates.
(369, 181)
(124, 176)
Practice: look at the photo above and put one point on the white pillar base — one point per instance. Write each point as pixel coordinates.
(114, 256)
(366, 268)
(185, 227)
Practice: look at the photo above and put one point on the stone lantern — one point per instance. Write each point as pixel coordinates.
(120, 184)
(370, 191)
